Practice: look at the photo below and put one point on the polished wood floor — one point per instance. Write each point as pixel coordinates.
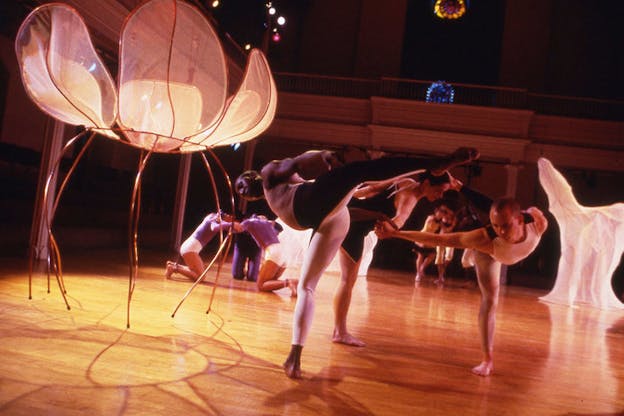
(422, 342)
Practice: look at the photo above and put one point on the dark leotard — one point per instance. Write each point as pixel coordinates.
(313, 201)
(382, 203)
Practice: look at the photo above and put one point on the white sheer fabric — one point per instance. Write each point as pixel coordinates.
(592, 242)
(61, 71)
(172, 78)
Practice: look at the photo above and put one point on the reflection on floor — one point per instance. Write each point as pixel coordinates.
(421, 339)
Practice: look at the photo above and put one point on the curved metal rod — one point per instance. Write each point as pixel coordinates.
(133, 224)
(51, 239)
(229, 184)
(224, 244)
(48, 218)
(225, 175)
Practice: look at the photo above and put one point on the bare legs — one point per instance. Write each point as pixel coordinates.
(323, 246)
(268, 277)
(195, 266)
(422, 262)
(488, 275)
(342, 300)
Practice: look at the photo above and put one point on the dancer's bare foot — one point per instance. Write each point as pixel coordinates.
(292, 285)
(484, 369)
(292, 365)
(439, 281)
(170, 268)
(347, 339)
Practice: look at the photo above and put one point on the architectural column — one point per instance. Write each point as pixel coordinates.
(50, 154)
(179, 207)
(512, 179)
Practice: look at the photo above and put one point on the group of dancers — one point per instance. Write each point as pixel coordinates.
(264, 263)
(343, 202)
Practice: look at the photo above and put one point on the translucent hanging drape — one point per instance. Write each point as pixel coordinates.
(592, 242)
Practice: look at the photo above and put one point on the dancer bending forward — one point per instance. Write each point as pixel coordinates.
(510, 237)
(322, 206)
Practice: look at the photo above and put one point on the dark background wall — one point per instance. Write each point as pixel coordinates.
(564, 47)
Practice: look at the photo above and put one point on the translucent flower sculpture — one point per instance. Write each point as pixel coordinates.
(171, 95)
(592, 242)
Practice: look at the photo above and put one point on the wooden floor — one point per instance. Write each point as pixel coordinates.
(422, 342)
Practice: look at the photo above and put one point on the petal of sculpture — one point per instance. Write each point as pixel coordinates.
(172, 75)
(61, 71)
(249, 112)
(592, 242)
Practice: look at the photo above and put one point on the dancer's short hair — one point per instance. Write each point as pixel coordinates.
(249, 185)
(507, 203)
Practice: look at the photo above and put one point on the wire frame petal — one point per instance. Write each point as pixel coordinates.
(60, 69)
(249, 112)
(172, 75)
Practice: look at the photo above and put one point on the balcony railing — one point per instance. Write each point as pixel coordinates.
(502, 97)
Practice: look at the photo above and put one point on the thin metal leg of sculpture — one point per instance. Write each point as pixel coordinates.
(133, 225)
(223, 244)
(53, 255)
(229, 187)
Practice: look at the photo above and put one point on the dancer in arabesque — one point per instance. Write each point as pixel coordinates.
(321, 204)
(511, 236)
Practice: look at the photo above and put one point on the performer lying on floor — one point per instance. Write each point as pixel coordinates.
(510, 237)
(322, 205)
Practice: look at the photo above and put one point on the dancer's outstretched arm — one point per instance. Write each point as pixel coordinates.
(475, 239)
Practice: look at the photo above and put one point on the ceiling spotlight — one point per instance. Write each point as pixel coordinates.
(276, 37)
(247, 46)
(281, 20)
(215, 4)
(272, 11)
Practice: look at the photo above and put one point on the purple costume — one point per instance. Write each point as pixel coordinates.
(262, 230)
(209, 227)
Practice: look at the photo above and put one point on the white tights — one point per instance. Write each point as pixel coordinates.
(323, 247)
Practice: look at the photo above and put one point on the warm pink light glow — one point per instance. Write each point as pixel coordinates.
(172, 88)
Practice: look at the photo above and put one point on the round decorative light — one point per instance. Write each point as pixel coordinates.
(440, 92)
(450, 9)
